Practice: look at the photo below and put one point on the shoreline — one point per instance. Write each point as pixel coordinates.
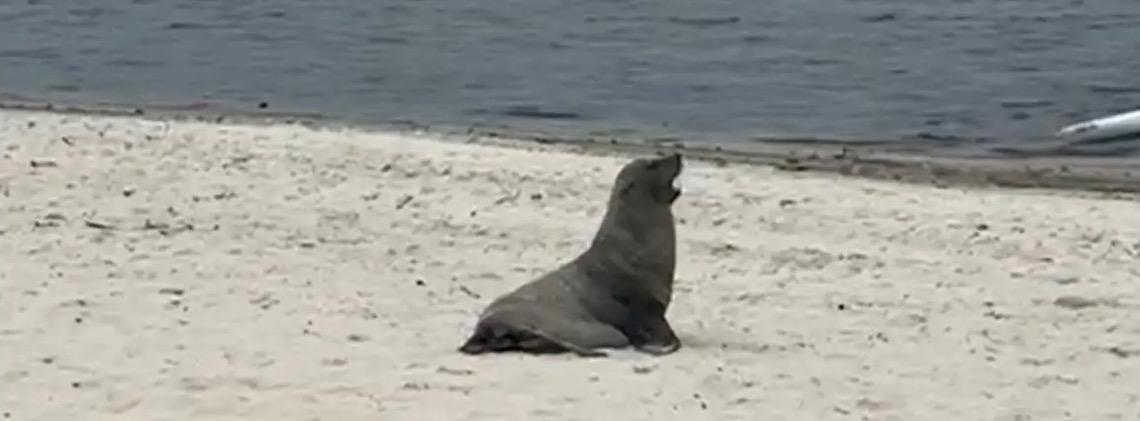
(895, 162)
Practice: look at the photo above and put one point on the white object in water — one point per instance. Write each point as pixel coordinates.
(1104, 127)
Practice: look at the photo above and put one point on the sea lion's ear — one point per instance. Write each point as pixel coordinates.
(627, 188)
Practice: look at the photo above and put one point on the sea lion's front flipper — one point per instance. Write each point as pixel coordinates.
(656, 337)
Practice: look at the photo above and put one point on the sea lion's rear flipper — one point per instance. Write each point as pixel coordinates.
(547, 335)
(655, 337)
(498, 337)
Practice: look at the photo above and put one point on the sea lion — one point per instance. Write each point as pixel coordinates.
(612, 295)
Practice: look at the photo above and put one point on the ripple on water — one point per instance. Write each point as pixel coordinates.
(532, 111)
(705, 21)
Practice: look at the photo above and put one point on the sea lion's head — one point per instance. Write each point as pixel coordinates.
(650, 179)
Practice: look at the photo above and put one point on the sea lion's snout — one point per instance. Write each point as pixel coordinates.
(668, 168)
(655, 178)
(671, 164)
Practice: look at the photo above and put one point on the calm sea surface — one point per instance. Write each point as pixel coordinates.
(1009, 71)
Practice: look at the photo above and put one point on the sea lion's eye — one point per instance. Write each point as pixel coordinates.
(653, 164)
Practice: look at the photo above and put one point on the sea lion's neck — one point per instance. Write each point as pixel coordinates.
(638, 234)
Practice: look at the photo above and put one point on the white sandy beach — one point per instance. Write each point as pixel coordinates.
(197, 271)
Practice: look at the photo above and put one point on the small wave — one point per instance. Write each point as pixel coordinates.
(1067, 151)
(64, 87)
(90, 12)
(882, 17)
(44, 53)
(754, 39)
(388, 40)
(1114, 89)
(185, 26)
(703, 22)
(621, 19)
(948, 139)
(374, 80)
(530, 111)
(131, 62)
(820, 141)
(1131, 138)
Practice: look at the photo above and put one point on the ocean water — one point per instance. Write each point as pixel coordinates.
(996, 73)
